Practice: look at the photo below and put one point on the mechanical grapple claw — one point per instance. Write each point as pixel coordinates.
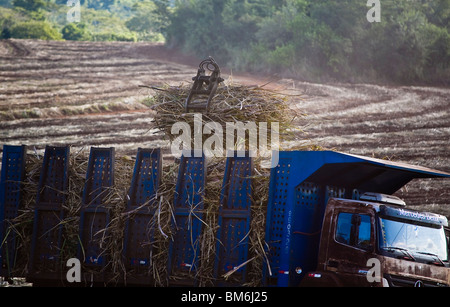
(204, 85)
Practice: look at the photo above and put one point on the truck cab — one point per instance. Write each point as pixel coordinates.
(376, 241)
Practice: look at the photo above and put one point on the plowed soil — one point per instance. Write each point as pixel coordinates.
(90, 94)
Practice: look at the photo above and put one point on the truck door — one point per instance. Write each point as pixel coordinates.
(350, 245)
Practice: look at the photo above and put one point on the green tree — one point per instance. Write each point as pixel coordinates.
(36, 30)
(319, 39)
(395, 47)
(437, 12)
(221, 28)
(148, 21)
(29, 5)
(75, 31)
(436, 65)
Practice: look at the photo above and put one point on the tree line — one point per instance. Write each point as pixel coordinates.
(315, 40)
(320, 40)
(100, 20)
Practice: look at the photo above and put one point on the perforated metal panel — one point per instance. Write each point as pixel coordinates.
(279, 215)
(146, 178)
(12, 175)
(94, 215)
(184, 251)
(139, 236)
(99, 176)
(309, 202)
(46, 242)
(234, 219)
(139, 228)
(47, 231)
(53, 181)
(93, 236)
(306, 229)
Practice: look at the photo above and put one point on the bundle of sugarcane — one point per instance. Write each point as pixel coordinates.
(78, 163)
(207, 240)
(232, 104)
(115, 201)
(162, 224)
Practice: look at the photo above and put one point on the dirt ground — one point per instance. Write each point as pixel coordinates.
(89, 94)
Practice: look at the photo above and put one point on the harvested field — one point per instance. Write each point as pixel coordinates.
(403, 123)
(88, 94)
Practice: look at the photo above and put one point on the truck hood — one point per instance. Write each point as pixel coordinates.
(408, 273)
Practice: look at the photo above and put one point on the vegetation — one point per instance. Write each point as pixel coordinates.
(107, 20)
(76, 32)
(318, 40)
(34, 29)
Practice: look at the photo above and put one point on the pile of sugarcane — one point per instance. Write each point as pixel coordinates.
(231, 104)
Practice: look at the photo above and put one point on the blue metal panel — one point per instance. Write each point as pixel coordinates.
(146, 178)
(47, 231)
(141, 207)
(234, 219)
(12, 174)
(92, 235)
(279, 215)
(311, 200)
(184, 251)
(53, 180)
(99, 176)
(94, 213)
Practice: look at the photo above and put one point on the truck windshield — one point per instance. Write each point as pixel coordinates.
(425, 239)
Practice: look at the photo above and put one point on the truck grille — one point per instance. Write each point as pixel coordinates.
(401, 281)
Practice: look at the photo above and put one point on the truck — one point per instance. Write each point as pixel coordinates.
(406, 248)
(331, 220)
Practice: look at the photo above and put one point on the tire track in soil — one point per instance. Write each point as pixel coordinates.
(403, 123)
